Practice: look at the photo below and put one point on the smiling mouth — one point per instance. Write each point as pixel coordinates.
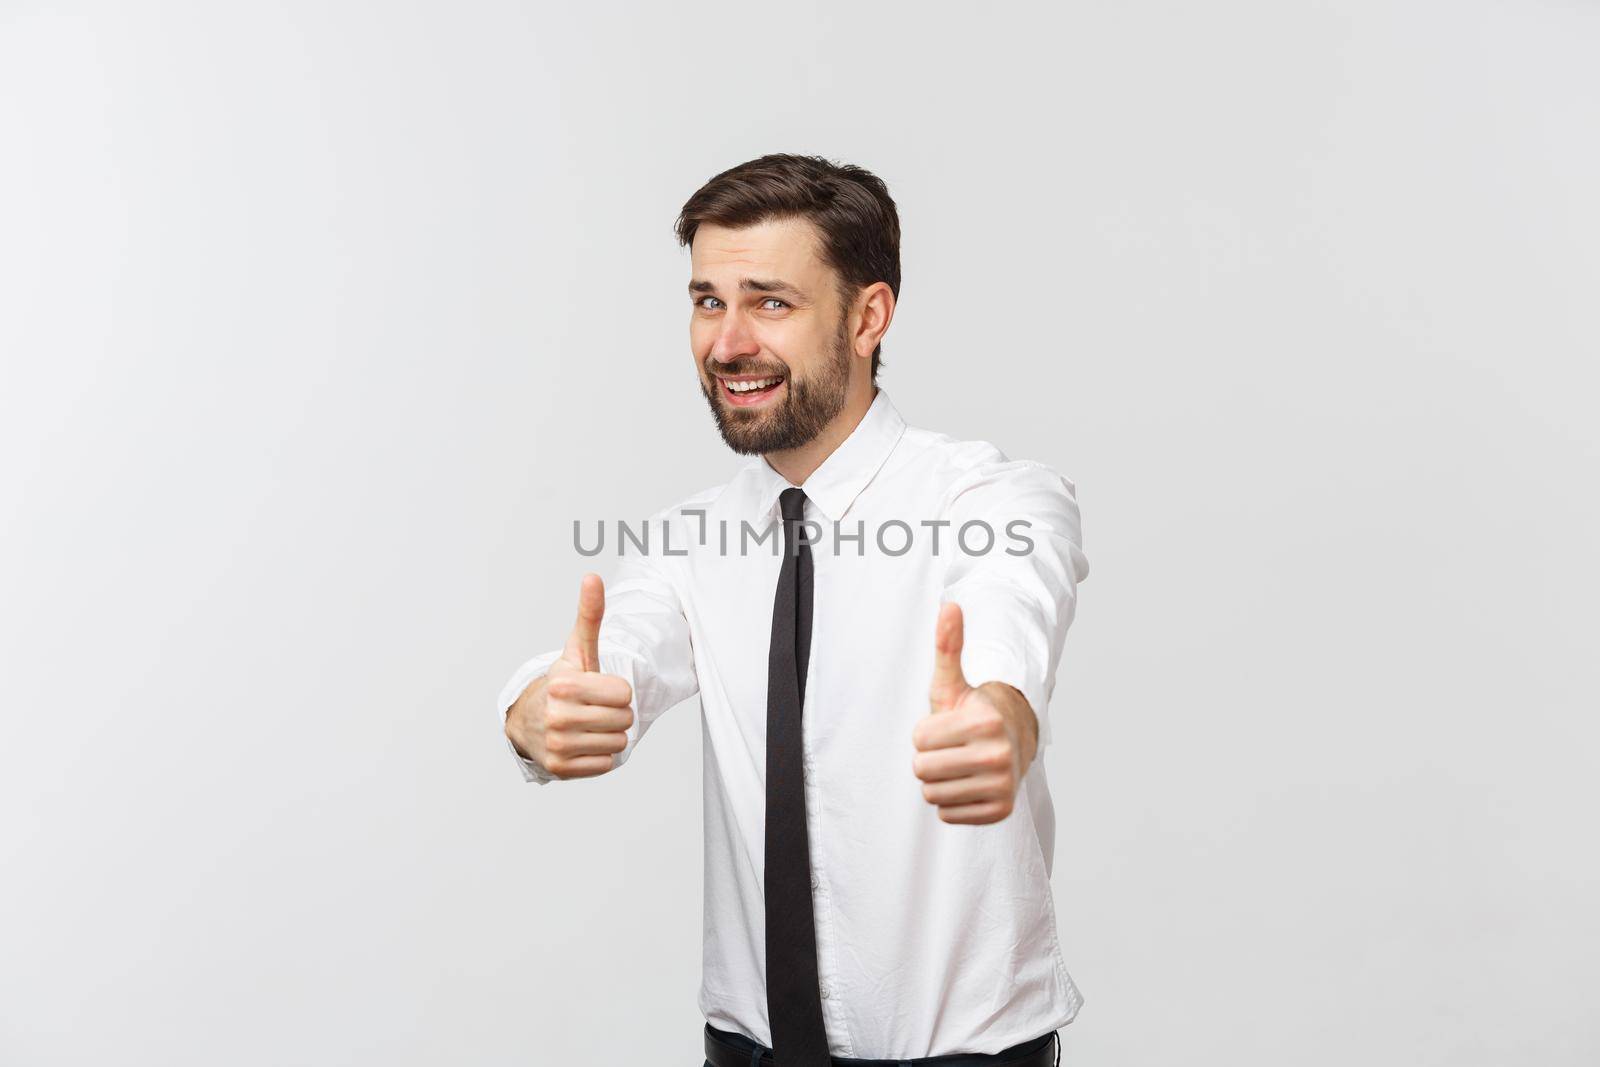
(745, 391)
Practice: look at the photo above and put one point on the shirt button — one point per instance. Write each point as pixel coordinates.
(813, 881)
(824, 992)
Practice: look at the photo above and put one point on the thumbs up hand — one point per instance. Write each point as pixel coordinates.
(574, 719)
(976, 742)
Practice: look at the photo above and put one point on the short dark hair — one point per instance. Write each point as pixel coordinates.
(849, 205)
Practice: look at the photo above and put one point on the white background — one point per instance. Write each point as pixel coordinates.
(321, 323)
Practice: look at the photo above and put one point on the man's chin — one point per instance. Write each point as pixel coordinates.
(751, 434)
(742, 440)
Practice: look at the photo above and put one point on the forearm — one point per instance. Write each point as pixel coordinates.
(1019, 605)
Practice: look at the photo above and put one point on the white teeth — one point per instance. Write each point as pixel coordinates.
(748, 387)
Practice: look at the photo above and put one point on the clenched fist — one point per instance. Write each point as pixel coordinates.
(975, 743)
(573, 720)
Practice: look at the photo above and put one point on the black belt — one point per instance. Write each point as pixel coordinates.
(725, 1048)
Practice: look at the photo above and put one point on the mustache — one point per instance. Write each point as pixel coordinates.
(736, 369)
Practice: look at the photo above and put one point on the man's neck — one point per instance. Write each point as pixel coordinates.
(798, 464)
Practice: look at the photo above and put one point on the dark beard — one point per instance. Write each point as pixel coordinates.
(808, 405)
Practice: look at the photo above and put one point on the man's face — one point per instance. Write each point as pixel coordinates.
(769, 334)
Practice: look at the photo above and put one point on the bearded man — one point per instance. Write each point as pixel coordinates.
(874, 675)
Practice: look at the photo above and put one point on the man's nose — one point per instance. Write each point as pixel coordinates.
(735, 339)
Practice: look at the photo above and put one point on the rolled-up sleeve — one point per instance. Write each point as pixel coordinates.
(644, 638)
(1019, 597)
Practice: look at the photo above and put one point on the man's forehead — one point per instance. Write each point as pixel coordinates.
(790, 244)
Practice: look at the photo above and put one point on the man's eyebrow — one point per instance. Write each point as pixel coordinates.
(751, 285)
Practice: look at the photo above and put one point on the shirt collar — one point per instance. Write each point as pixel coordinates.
(834, 486)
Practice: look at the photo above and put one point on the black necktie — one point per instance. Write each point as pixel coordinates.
(794, 1003)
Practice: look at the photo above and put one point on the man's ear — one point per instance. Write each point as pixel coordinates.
(873, 311)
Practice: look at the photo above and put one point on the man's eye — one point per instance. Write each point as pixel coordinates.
(702, 301)
(773, 300)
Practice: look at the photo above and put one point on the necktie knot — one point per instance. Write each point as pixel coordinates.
(793, 502)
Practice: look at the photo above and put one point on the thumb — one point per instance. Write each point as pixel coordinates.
(583, 646)
(949, 684)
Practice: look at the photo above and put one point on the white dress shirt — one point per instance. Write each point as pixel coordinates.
(932, 937)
